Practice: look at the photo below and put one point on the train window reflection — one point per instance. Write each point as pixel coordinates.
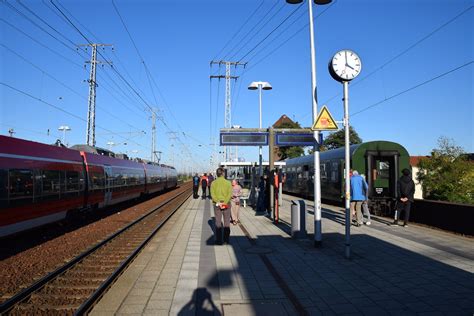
(3, 188)
(383, 170)
(72, 181)
(21, 183)
(51, 183)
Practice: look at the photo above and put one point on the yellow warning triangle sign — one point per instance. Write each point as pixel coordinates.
(324, 122)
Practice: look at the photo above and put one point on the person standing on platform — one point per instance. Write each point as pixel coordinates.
(406, 192)
(235, 202)
(359, 194)
(261, 196)
(268, 209)
(204, 186)
(195, 186)
(221, 192)
(210, 178)
(365, 206)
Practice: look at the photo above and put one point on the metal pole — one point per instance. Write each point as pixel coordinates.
(260, 172)
(347, 168)
(317, 180)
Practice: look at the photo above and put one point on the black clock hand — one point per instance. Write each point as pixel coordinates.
(350, 66)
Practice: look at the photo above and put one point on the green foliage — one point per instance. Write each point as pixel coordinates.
(447, 175)
(290, 152)
(337, 139)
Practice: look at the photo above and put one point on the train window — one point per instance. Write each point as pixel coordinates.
(324, 175)
(20, 186)
(3, 188)
(334, 171)
(383, 170)
(72, 181)
(98, 180)
(51, 184)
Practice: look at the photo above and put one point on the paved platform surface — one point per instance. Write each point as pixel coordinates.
(393, 270)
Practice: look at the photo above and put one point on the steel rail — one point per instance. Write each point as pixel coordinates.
(24, 294)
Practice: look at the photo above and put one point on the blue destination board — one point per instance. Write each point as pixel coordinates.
(243, 139)
(290, 139)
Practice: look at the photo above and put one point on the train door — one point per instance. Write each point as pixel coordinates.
(382, 172)
(108, 184)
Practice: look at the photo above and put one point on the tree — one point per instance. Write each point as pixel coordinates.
(337, 139)
(447, 175)
(293, 151)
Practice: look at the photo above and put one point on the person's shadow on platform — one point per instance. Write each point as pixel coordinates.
(201, 304)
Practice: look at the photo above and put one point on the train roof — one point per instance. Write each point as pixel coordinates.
(20, 147)
(356, 149)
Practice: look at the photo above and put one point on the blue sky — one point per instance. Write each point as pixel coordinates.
(404, 47)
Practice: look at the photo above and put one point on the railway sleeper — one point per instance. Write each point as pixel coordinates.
(56, 300)
(120, 254)
(67, 287)
(106, 262)
(87, 274)
(73, 292)
(77, 279)
(30, 309)
(94, 269)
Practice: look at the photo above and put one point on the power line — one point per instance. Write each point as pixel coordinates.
(403, 52)
(37, 25)
(41, 44)
(250, 31)
(287, 39)
(42, 20)
(240, 29)
(413, 87)
(269, 34)
(61, 110)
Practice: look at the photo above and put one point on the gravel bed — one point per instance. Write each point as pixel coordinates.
(27, 265)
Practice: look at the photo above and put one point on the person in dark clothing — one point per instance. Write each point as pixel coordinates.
(261, 196)
(406, 192)
(204, 186)
(195, 186)
(268, 208)
(210, 178)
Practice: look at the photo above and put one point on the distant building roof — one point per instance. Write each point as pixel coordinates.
(415, 160)
(282, 120)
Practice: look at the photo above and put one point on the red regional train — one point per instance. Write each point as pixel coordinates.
(40, 183)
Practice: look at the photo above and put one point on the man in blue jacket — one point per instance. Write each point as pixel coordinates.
(359, 194)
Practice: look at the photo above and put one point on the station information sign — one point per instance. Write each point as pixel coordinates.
(244, 139)
(291, 139)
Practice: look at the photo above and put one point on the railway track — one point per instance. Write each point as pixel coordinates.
(74, 288)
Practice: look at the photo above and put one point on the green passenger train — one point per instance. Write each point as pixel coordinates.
(380, 161)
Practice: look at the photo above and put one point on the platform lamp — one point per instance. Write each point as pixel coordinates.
(64, 129)
(317, 176)
(260, 85)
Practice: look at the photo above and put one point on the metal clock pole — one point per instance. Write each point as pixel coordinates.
(345, 85)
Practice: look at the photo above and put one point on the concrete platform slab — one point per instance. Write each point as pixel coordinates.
(393, 270)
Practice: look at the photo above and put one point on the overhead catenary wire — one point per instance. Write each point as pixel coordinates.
(40, 27)
(239, 30)
(272, 31)
(249, 32)
(404, 51)
(61, 109)
(412, 88)
(62, 83)
(284, 42)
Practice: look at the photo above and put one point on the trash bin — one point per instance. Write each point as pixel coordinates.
(298, 219)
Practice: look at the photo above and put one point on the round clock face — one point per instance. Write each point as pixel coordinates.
(345, 65)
